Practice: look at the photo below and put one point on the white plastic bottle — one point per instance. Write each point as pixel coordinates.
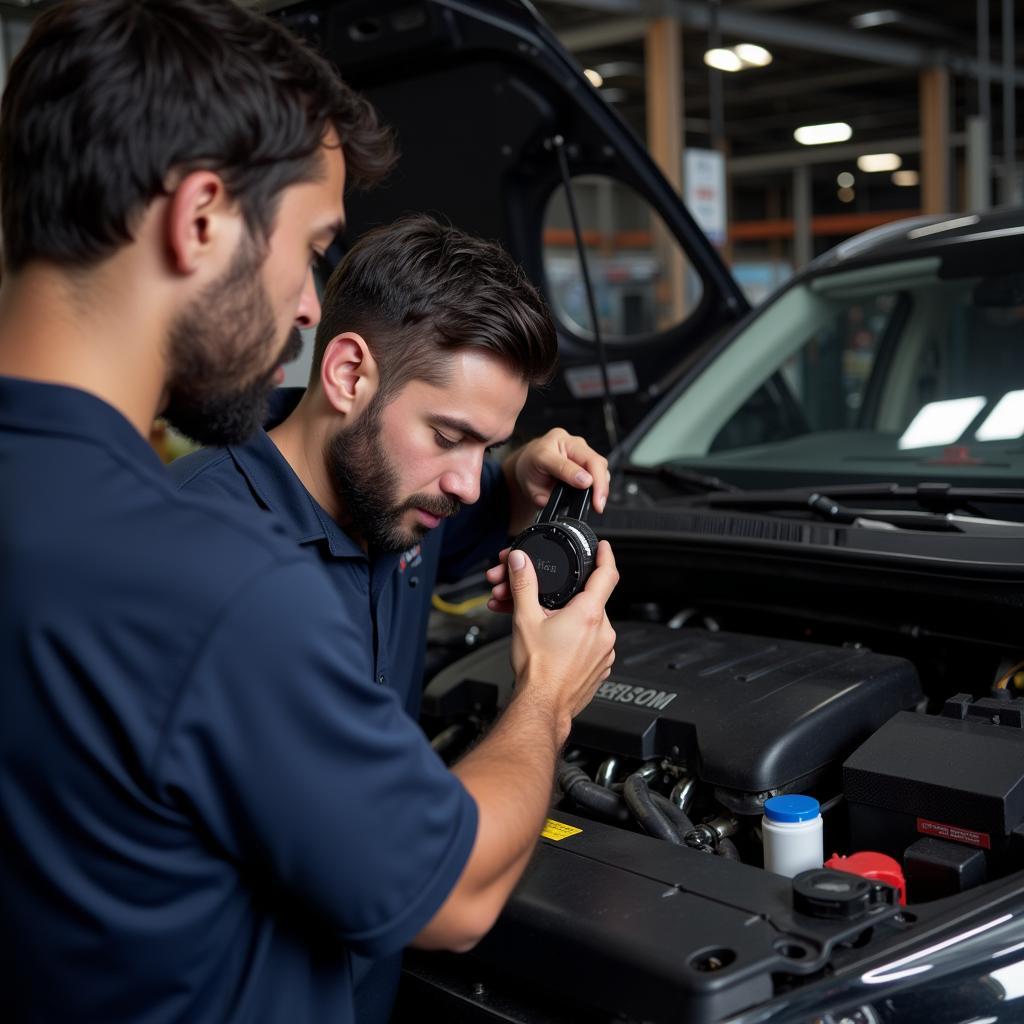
(792, 832)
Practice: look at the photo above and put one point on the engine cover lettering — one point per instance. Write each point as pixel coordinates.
(638, 695)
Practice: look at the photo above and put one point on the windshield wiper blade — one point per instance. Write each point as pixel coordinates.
(826, 507)
(689, 481)
(932, 497)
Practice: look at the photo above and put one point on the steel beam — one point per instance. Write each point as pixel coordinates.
(601, 34)
(747, 166)
(801, 34)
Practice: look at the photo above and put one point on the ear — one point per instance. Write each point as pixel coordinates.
(349, 374)
(203, 223)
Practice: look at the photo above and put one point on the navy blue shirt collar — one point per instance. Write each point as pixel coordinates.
(280, 490)
(57, 409)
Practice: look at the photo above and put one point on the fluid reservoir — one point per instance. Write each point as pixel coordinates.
(792, 833)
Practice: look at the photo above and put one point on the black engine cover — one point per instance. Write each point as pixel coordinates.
(744, 713)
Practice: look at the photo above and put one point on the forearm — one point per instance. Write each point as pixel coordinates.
(559, 658)
(510, 775)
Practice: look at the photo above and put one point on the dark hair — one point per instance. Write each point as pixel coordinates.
(416, 288)
(108, 97)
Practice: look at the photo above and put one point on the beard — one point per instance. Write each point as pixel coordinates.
(365, 484)
(214, 343)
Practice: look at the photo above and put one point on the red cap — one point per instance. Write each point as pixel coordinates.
(869, 864)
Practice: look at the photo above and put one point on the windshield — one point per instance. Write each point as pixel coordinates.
(891, 371)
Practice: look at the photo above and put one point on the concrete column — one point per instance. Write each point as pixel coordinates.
(978, 165)
(663, 68)
(934, 108)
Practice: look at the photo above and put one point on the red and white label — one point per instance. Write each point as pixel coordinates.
(954, 833)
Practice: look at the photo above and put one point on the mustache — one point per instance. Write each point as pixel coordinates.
(442, 507)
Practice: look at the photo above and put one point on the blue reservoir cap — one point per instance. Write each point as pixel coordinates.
(791, 808)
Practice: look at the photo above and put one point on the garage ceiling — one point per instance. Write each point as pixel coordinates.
(850, 60)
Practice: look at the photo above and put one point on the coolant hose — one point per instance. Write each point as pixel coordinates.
(581, 789)
(727, 849)
(676, 814)
(652, 818)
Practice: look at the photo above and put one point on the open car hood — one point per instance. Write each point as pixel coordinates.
(474, 91)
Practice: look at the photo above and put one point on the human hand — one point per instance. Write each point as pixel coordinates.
(560, 657)
(533, 471)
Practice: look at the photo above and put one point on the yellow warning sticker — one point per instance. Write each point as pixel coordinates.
(558, 830)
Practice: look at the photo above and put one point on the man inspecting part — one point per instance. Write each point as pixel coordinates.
(208, 802)
(427, 343)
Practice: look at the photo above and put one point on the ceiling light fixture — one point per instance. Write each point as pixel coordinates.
(753, 55)
(871, 162)
(738, 57)
(723, 60)
(594, 77)
(819, 134)
(844, 179)
(846, 195)
(906, 178)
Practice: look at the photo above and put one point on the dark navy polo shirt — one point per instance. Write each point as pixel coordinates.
(390, 594)
(206, 803)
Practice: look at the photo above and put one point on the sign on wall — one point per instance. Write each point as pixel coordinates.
(704, 190)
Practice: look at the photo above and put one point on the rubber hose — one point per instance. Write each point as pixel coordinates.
(652, 819)
(581, 789)
(676, 814)
(727, 849)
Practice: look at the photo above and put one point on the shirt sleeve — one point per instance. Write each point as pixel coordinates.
(479, 531)
(301, 768)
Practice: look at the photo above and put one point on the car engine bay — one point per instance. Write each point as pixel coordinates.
(887, 694)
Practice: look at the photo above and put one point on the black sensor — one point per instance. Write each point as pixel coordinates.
(561, 545)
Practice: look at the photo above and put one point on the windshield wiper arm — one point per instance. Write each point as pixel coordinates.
(689, 481)
(828, 508)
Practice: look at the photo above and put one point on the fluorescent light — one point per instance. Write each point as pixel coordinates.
(753, 55)
(1006, 421)
(594, 77)
(905, 178)
(817, 134)
(844, 179)
(872, 19)
(941, 422)
(723, 60)
(871, 162)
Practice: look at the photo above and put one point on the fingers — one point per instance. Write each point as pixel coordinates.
(605, 576)
(501, 597)
(559, 455)
(496, 573)
(584, 460)
(522, 583)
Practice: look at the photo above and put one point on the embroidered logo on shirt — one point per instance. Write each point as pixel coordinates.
(410, 559)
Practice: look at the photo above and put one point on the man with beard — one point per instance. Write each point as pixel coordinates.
(427, 342)
(206, 804)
